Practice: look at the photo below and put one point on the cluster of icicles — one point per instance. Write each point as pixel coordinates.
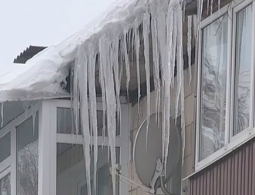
(162, 24)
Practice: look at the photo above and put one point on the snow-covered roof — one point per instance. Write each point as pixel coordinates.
(41, 76)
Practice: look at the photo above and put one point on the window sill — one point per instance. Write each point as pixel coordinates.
(235, 142)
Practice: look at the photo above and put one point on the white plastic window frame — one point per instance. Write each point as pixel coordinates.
(9, 165)
(231, 142)
(50, 135)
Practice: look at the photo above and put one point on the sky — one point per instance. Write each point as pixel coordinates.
(41, 23)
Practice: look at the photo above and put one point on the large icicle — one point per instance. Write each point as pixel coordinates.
(161, 20)
(93, 110)
(137, 51)
(167, 72)
(180, 78)
(146, 31)
(179, 64)
(126, 56)
(117, 75)
(155, 50)
(102, 84)
(105, 61)
(82, 82)
(76, 95)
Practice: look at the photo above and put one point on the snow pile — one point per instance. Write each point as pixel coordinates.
(106, 44)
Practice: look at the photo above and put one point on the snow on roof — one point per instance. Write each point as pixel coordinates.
(41, 76)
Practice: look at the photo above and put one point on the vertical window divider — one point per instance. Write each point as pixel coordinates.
(46, 142)
(230, 79)
(253, 68)
(53, 145)
(233, 72)
(198, 93)
(13, 162)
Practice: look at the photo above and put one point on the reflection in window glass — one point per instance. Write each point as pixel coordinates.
(27, 157)
(5, 147)
(65, 124)
(5, 185)
(71, 178)
(213, 88)
(243, 69)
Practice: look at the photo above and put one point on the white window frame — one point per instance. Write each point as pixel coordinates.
(9, 165)
(231, 142)
(48, 126)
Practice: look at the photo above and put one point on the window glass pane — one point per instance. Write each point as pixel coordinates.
(243, 69)
(5, 185)
(64, 122)
(5, 147)
(71, 178)
(213, 89)
(27, 157)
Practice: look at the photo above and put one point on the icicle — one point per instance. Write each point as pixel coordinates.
(105, 62)
(219, 6)
(127, 64)
(156, 69)
(26, 106)
(163, 54)
(76, 95)
(2, 114)
(207, 4)
(93, 109)
(80, 83)
(102, 84)
(179, 65)
(72, 96)
(211, 7)
(189, 46)
(146, 31)
(180, 79)
(137, 49)
(132, 45)
(117, 75)
(33, 108)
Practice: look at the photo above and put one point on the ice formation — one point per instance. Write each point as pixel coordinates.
(104, 45)
(162, 25)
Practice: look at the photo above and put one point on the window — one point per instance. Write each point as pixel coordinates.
(27, 157)
(65, 124)
(70, 161)
(71, 178)
(39, 154)
(64, 121)
(243, 69)
(5, 147)
(5, 185)
(213, 89)
(225, 104)
(19, 153)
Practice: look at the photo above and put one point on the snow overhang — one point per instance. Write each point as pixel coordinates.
(43, 75)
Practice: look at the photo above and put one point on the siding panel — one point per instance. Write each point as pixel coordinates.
(232, 175)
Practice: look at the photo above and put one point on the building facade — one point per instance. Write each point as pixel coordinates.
(42, 152)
